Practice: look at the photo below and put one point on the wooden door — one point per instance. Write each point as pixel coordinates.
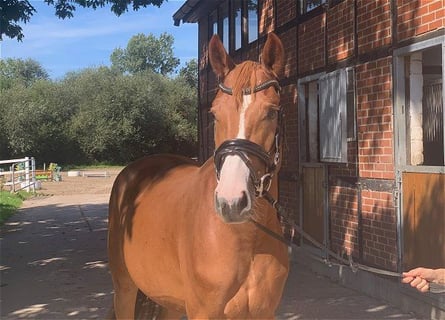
(313, 202)
(423, 220)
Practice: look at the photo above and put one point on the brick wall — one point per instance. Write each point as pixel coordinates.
(374, 119)
(417, 17)
(286, 11)
(344, 220)
(289, 40)
(266, 17)
(373, 24)
(340, 28)
(290, 129)
(311, 44)
(288, 187)
(379, 229)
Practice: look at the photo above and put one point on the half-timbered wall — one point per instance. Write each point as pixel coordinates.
(358, 36)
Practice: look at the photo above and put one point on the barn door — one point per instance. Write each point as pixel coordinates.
(313, 213)
(423, 220)
(313, 181)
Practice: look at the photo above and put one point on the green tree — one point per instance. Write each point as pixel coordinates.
(146, 53)
(182, 117)
(14, 12)
(98, 114)
(19, 71)
(190, 73)
(35, 121)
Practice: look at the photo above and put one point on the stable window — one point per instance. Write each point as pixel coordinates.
(327, 109)
(237, 24)
(306, 6)
(252, 18)
(350, 106)
(333, 120)
(238, 18)
(224, 14)
(422, 107)
(213, 22)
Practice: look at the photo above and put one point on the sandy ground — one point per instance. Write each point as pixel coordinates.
(54, 261)
(80, 184)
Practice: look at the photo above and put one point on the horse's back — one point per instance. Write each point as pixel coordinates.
(148, 170)
(141, 174)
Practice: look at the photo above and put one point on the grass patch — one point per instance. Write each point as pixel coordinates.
(10, 202)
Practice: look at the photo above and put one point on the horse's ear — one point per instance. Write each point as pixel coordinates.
(273, 54)
(219, 59)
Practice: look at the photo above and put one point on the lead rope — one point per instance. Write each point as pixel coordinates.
(433, 287)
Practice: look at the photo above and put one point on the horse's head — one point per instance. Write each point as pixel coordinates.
(247, 111)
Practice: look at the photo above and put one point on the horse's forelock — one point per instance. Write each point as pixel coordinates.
(245, 77)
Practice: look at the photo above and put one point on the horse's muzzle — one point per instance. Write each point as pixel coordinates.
(235, 210)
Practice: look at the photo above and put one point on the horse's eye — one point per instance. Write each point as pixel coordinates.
(212, 114)
(272, 114)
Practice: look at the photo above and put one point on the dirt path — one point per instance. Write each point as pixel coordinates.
(53, 252)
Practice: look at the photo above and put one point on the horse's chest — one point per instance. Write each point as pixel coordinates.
(240, 292)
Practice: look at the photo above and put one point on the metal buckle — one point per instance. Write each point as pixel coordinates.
(276, 158)
(264, 184)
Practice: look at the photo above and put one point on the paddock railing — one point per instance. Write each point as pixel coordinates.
(20, 174)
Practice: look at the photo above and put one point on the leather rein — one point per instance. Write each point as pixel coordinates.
(244, 148)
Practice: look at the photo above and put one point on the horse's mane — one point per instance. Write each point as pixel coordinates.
(245, 77)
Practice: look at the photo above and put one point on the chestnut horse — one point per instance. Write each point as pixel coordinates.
(187, 237)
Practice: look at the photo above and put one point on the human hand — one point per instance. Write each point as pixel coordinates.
(420, 278)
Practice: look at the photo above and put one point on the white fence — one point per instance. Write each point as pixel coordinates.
(21, 174)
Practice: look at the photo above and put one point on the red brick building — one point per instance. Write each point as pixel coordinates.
(363, 97)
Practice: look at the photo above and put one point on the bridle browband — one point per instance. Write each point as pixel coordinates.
(243, 147)
(246, 91)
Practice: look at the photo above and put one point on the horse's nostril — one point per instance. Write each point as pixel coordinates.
(233, 210)
(243, 201)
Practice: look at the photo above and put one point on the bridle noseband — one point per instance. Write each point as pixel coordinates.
(243, 147)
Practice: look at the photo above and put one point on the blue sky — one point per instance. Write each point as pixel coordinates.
(89, 38)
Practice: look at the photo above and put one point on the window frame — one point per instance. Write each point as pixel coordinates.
(302, 115)
(220, 15)
(400, 139)
(247, 29)
(323, 138)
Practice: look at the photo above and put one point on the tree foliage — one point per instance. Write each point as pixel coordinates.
(20, 71)
(190, 73)
(146, 53)
(98, 115)
(14, 12)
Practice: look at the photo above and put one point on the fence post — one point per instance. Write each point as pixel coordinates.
(33, 174)
(12, 178)
(27, 180)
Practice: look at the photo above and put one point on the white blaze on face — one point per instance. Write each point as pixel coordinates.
(242, 118)
(234, 175)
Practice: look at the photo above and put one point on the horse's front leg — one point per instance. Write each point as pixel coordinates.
(217, 302)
